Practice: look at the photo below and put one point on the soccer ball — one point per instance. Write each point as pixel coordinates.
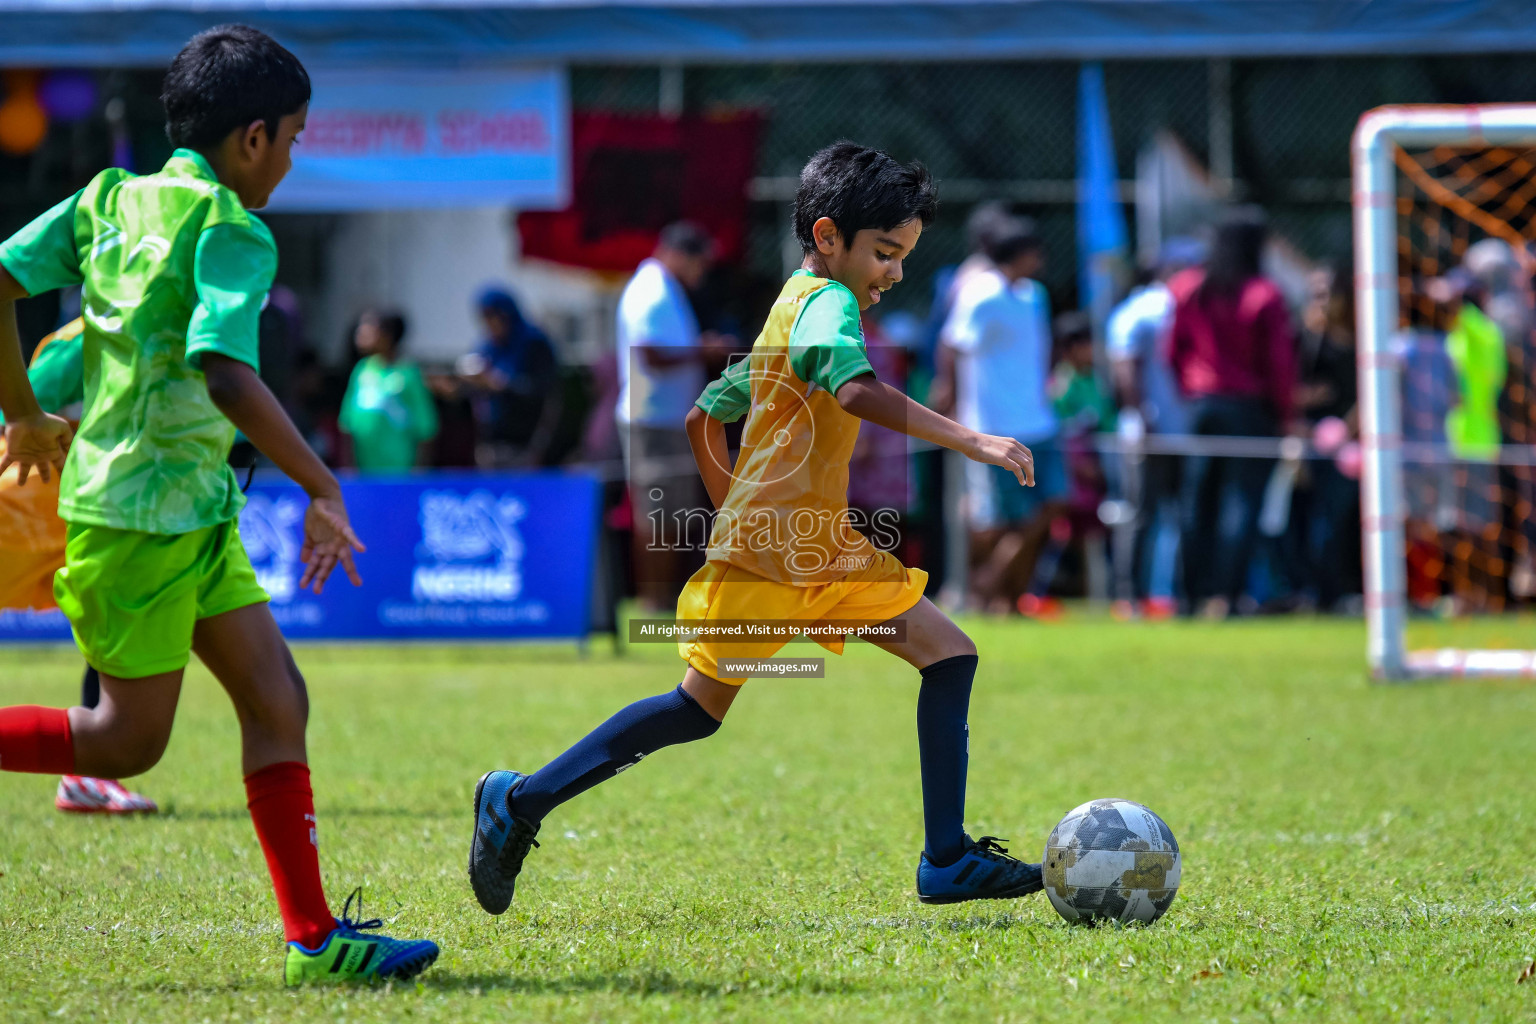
(1111, 860)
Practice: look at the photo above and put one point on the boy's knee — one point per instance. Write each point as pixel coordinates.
(146, 754)
(286, 713)
(135, 751)
(959, 646)
(300, 693)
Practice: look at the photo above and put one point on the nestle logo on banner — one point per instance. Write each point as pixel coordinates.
(267, 531)
(472, 545)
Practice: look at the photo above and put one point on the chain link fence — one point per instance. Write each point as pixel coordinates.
(1279, 129)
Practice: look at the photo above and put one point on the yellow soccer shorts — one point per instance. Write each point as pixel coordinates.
(132, 598)
(723, 592)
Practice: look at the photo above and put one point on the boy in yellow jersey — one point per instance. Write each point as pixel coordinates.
(783, 547)
(32, 550)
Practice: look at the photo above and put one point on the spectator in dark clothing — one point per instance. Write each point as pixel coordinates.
(1324, 531)
(1234, 356)
(510, 378)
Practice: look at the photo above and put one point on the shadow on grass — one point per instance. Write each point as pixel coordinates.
(998, 922)
(647, 983)
(326, 813)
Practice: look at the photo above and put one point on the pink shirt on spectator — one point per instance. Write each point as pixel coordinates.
(1234, 345)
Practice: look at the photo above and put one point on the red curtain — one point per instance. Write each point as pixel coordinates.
(633, 175)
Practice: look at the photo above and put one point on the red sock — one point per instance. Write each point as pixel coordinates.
(34, 739)
(283, 808)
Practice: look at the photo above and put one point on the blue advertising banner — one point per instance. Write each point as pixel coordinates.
(451, 556)
(408, 138)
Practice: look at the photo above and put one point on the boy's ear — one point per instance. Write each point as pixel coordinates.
(252, 137)
(824, 231)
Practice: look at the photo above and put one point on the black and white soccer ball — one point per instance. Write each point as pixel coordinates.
(1111, 860)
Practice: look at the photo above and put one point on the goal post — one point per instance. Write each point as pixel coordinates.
(1491, 150)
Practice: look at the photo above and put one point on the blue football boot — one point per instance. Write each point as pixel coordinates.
(984, 872)
(500, 843)
(352, 953)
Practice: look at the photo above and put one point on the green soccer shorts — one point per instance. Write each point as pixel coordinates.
(132, 598)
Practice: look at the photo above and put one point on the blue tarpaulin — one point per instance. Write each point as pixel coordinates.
(426, 32)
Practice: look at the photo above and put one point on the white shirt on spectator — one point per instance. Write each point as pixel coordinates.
(654, 310)
(1138, 329)
(1002, 339)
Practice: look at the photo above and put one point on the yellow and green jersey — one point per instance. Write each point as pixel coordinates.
(785, 517)
(172, 267)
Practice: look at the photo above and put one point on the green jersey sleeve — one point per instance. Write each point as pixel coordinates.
(826, 345)
(730, 395)
(43, 256)
(232, 270)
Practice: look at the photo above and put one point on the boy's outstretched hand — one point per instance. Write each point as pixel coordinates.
(1005, 452)
(328, 539)
(36, 442)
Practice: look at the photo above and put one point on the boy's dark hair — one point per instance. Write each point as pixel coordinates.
(1012, 238)
(686, 237)
(860, 188)
(392, 324)
(226, 78)
(1072, 327)
(982, 224)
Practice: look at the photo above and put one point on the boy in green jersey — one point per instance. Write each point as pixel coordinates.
(174, 272)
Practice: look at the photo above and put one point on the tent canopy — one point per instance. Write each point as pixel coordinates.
(87, 33)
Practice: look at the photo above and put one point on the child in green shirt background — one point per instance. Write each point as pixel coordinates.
(388, 411)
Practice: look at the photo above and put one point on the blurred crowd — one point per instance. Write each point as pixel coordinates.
(1146, 494)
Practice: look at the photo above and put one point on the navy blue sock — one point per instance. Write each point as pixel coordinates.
(90, 688)
(619, 743)
(943, 743)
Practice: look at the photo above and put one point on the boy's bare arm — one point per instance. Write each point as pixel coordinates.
(879, 403)
(706, 436)
(33, 439)
(240, 395)
(328, 538)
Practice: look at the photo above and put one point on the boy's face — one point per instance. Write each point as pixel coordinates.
(369, 339)
(263, 161)
(1080, 353)
(870, 262)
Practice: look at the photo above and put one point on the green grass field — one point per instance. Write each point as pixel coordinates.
(1351, 852)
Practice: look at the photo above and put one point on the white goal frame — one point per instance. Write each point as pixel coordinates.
(1382, 508)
